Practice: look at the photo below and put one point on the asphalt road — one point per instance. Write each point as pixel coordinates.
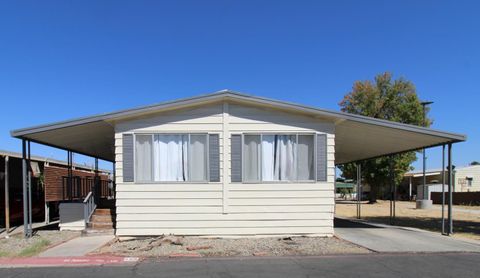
(398, 265)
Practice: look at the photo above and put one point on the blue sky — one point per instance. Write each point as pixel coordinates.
(65, 59)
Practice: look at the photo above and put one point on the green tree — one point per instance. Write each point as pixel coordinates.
(389, 99)
(474, 163)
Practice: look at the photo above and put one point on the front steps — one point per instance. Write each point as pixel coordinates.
(102, 222)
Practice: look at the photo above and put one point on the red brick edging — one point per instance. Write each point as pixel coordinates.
(67, 261)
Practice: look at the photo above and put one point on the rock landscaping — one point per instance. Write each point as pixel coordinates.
(173, 246)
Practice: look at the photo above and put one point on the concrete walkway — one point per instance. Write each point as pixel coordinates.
(385, 238)
(76, 247)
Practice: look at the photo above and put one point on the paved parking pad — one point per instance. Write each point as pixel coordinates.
(385, 238)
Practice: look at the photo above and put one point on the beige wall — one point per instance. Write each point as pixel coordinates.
(225, 208)
(461, 183)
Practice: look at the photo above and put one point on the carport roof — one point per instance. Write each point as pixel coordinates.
(356, 137)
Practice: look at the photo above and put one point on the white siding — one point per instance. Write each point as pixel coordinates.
(233, 208)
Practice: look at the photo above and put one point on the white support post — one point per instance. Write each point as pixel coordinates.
(47, 213)
(410, 188)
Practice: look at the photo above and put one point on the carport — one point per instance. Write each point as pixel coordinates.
(94, 136)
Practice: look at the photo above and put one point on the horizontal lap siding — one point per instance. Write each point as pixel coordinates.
(175, 224)
(266, 209)
(136, 210)
(226, 217)
(227, 231)
(253, 209)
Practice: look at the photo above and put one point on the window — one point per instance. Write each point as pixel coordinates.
(279, 157)
(171, 157)
(469, 181)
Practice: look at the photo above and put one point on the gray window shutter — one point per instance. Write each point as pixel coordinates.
(321, 157)
(214, 157)
(128, 157)
(236, 158)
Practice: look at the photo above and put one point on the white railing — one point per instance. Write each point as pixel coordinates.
(89, 207)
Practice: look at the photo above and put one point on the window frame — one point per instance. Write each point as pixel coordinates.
(469, 181)
(152, 134)
(313, 134)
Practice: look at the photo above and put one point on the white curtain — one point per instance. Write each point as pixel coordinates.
(284, 162)
(197, 161)
(251, 157)
(305, 159)
(170, 157)
(268, 158)
(278, 157)
(143, 157)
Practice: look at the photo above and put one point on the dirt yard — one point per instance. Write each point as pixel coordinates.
(18, 246)
(466, 219)
(171, 246)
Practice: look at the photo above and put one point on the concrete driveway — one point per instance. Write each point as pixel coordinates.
(385, 238)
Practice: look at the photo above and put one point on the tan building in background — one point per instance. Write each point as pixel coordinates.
(465, 179)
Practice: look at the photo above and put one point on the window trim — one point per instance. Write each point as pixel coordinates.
(469, 181)
(313, 134)
(153, 133)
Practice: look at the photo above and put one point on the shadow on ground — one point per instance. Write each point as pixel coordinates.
(50, 227)
(341, 223)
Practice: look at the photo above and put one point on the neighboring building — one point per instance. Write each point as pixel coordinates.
(228, 163)
(48, 185)
(411, 186)
(345, 189)
(465, 179)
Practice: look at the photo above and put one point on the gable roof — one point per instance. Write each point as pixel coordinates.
(97, 131)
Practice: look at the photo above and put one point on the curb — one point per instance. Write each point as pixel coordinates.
(67, 261)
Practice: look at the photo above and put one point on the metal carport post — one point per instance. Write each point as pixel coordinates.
(393, 196)
(27, 190)
(359, 191)
(450, 194)
(393, 190)
(7, 198)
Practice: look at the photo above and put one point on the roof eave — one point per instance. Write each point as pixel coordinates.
(228, 94)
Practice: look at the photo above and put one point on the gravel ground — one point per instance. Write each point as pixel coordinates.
(14, 245)
(289, 246)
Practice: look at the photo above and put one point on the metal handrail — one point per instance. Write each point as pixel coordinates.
(89, 206)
